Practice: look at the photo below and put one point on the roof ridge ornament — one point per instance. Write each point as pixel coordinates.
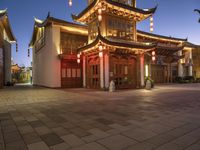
(49, 14)
(3, 11)
(38, 20)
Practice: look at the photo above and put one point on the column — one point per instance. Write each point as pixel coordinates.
(190, 64)
(180, 66)
(102, 71)
(142, 69)
(171, 73)
(84, 71)
(138, 71)
(107, 82)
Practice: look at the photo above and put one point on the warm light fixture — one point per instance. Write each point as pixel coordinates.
(100, 54)
(151, 24)
(70, 2)
(99, 11)
(100, 47)
(78, 61)
(100, 18)
(78, 56)
(153, 55)
(146, 70)
(153, 58)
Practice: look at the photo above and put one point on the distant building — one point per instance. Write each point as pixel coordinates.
(21, 74)
(6, 39)
(108, 47)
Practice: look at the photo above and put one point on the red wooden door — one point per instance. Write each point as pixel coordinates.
(71, 74)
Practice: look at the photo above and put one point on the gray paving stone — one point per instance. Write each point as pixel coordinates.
(17, 145)
(117, 142)
(98, 133)
(31, 138)
(90, 146)
(61, 146)
(148, 117)
(25, 129)
(195, 146)
(51, 139)
(139, 134)
(60, 131)
(36, 123)
(43, 130)
(141, 146)
(12, 137)
(72, 140)
(38, 146)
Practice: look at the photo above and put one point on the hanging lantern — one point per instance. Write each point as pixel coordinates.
(99, 11)
(78, 61)
(153, 55)
(78, 56)
(99, 5)
(16, 47)
(100, 54)
(70, 2)
(100, 18)
(151, 24)
(28, 52)
(100, 47)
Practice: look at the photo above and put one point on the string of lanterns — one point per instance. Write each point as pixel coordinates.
(151, 24)
(16, 46)
(153, 56)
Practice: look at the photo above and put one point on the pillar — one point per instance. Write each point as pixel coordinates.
(84, 71)
(171, 73)
(106, 64)
(168, 72)
(142, 70)
(180, 66)
(102, 71)
(190, 64)
(138, 71)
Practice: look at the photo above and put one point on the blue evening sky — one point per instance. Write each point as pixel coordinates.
(174, 18)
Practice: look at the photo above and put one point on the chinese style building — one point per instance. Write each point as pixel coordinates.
(6, 39)
(107, 47)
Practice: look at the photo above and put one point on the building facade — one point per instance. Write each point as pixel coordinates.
(6, 39)
(108, 47)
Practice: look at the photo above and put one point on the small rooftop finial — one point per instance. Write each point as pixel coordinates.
(49, 14)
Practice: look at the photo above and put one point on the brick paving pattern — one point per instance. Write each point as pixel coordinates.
(166, 118)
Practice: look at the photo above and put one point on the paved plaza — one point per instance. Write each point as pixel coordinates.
(166, 118)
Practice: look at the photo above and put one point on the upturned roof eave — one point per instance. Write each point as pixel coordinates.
(161, 36)
(130, 8)
(4, 15)
(105, 40)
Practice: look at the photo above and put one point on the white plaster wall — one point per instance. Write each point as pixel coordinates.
(7, 62)
(46, 64)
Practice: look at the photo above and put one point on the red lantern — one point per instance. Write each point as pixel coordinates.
(78, 61)
(153, 55)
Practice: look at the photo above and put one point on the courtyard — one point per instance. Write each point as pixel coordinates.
(35, 118)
